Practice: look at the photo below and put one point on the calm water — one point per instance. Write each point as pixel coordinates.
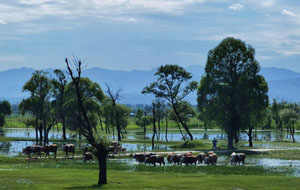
(13, 148)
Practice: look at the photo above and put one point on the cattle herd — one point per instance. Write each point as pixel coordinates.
(187, 158)
(37, 149)
(113, 149)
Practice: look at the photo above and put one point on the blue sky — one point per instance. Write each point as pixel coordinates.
(143, 34)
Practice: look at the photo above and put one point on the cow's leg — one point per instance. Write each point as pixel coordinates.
(54, 154)
(73, 154)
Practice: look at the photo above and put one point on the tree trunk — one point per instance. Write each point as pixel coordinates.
(41, 134)
(113, 129)
(45, 131)
(166, 129)
(37, 130)
(180, 130)
(158, 123)
(64, 128)
(182, 123)
(102, 155)
(250, 136)
(292, 131)
(144, 131)
(230, 137)
(236, 138)
(154, 126)
(205, 125)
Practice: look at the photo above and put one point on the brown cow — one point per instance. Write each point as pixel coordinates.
(50, 148)
(33, 149)
(69, 148)
(201, 157)
(155, 159)
(188, 160)
(169, 156)
(211, 158)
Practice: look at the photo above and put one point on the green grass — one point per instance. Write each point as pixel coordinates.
(18, 173)
(291, 154)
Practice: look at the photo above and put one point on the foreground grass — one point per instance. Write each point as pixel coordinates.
(52, 178)
(19, 173)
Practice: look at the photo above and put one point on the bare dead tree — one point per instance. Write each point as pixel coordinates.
(87, 129)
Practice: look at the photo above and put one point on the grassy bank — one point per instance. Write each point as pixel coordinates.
(18, 173)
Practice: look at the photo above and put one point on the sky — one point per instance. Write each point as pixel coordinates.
(144, 34)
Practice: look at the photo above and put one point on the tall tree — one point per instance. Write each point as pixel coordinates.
(142, 120)
(59, 87)
(39, 87)
(5, 109)
(114, 97)
(289, 118)
(231, 86)
(84, 97)
(172, 84)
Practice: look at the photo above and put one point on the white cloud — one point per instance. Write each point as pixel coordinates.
(33, 2)
(287, 12)
(236, 7)
(2, 21)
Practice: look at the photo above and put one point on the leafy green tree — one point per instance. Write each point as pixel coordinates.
(231, 89)
(160, 111)
(172, 84)
(289, 118)
(39, 87)
(87, 95)
(114, 97)
(59, 89)
(5, 109)
(142, 120)
(275, 108)
(30, 105)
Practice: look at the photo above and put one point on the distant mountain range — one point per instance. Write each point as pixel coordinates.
(283, 83)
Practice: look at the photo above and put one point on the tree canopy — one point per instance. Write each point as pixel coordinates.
(172, 84)
(232, 89)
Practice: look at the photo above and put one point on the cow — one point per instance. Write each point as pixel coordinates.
(69, 148)
(140, 157)
(211, 158)
(201, 157)
(155, 159)
(188, 154)
(237, 158)
(33, 149)
(50, 148)
(175, 159)
(188, 160)
(87, 156)
(169, 156)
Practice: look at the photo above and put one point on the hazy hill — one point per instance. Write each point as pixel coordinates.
(283, 83)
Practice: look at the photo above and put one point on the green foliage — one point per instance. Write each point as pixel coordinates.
(92, 95)
(189, 144)
(232, 92)
(172, 84)
(169, 84)
(185, 110)
(288, 116)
